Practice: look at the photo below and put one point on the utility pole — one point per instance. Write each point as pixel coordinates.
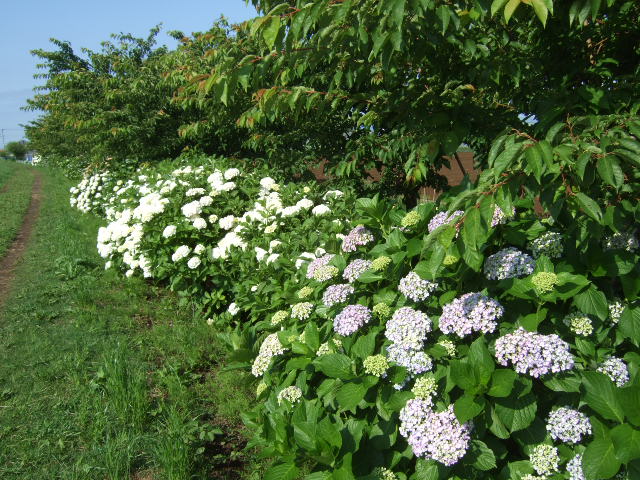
(2, 131)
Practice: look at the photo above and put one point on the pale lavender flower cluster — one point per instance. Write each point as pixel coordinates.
(443, 218)
(568, 425)
(355, 269)
(574, 468)
(549, 244)
(336, 294)
(472, 312)
(616, 370)
(508, 263)
(622, 240)
(357, 237)
(416, 361)
(317, 263)
(533, 353)
(499, 217)
(415, 288)
(351, 318)
(408, 328)
(433, 435)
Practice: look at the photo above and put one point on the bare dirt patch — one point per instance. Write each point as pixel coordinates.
(20, 243)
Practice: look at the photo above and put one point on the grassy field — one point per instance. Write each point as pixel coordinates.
(106, 379)
(15, 186)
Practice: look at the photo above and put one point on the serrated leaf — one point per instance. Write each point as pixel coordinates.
(601, 396)
(589, 206)
(335, 365)
(592, 302)
(599, 459)
(516, 413)
(283, 471)
(350, 394)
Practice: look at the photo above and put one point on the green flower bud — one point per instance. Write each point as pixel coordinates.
(305, 292)
(544, 282)
(410, 219)
(380, 263)
(279, 316)
(381, 310)
(376, 365)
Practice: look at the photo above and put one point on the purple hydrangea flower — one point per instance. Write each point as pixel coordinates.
(443, 218)
(408, 328)
(416, 361)
(499, 217)
(470, 313)
(616, 370)
(336, 294)
(357, 237)
(317, 263)
(574, 468)
(533, 353)
(415, 288)
(355, 269)
(433, 435)
(508, 263)
(568, 425)
(351, 318)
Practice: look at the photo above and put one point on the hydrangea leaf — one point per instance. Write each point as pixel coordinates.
(601, 395)
(516, 413)
(599, 459)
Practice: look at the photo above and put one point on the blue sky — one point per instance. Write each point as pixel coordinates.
(28, 25)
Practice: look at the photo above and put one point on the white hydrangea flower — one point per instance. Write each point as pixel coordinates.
(231, 173)
(199, 223)
(233, 309)
(267, 183)
(169, 231)
(199, 249)
(181, 252)
(320, 210)
(194, 262)
(227, 223)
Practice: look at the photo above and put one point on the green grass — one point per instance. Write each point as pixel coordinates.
(6, 170)
(14, 203)
(102, 378)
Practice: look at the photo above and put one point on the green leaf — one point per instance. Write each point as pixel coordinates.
(599, 459)
(270, 31)
(471, 228)
(304, 434)
(462, 374)
(541, 10)
(626, 441)
(283, 471)
(601, 395)
(350, 394)
(592, 302)
(468, 407)
(497, 5)
(364, 346)
(481, 360)
(534, 160)
(516, 413)
(502, 382)
(429, 470)
(483, 457)
(629, 324)
(335, 365)
(510, 8)
(589, 206)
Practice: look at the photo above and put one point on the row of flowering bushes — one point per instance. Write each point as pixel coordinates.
(494, 335)
(212, 231)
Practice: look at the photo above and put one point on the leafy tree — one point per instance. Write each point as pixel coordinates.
(17, 149)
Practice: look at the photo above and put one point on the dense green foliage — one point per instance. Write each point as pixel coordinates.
(360, 84)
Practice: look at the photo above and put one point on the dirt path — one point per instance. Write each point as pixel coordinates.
(19, 245)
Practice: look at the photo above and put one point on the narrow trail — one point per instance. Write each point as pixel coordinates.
(20, 243)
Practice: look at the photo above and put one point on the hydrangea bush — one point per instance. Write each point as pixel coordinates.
(211, 230)
(455, 343)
